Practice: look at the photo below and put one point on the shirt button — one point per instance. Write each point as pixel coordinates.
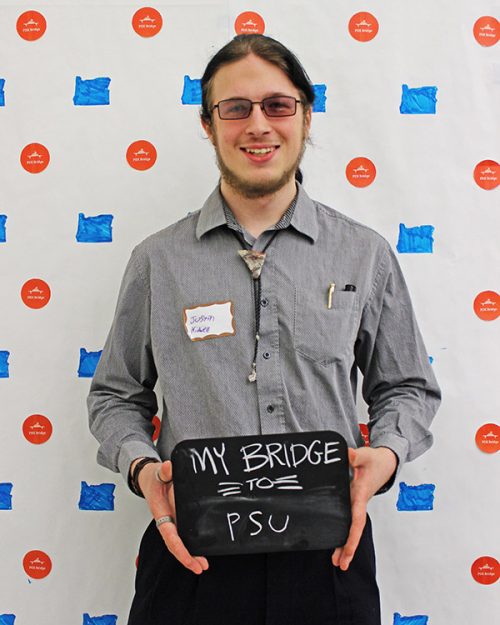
(270, 408)
(266, 355)
(264, 302)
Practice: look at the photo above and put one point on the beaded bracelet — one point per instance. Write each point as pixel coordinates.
(133, 478)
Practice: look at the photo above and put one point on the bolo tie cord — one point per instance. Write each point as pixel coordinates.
(254, 262)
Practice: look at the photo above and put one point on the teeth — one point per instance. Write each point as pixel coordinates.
(259, 150)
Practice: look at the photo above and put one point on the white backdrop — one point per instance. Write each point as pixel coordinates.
(425, 164)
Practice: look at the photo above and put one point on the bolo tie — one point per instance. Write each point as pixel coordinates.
(255, 262)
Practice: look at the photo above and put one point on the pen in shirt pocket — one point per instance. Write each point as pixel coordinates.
(331, 289)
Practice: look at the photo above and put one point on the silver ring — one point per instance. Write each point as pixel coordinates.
(158, 477)
(165, 519)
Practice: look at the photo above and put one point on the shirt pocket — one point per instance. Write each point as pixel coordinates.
(321, 334)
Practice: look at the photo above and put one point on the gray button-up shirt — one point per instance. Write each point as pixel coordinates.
(308, 355)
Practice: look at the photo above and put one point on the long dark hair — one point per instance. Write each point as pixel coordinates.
(267, 49)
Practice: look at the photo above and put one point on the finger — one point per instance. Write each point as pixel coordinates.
(203, 561)
(160, 497)
(337, 554)
(339, 551)
(163, 506)
(169, 533)
(196, 564)
(171, 499)
(357, 527)
(160, 506)
(351, 454)
(165, 471)
(173, 542)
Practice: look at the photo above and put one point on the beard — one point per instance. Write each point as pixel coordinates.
(252, 189)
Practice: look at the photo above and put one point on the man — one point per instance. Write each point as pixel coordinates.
(288, 363)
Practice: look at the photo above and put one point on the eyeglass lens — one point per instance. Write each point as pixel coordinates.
(276, 106)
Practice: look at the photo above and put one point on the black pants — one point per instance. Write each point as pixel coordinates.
(293, 588)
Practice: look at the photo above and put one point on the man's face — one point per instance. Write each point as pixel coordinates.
(256, 175)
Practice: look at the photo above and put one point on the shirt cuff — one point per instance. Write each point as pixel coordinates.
(399, 446)
(130, 451)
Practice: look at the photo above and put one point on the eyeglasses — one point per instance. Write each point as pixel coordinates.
(240, 108)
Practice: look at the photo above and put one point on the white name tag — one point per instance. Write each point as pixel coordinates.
(209, 321)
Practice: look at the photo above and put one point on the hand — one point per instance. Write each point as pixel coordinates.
(160, 498)
(373, 467)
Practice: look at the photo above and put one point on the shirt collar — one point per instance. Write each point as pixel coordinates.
(304, 217)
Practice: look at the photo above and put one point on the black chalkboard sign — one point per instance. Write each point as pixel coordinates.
(257, 494)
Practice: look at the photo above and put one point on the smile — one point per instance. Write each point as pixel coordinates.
(261, 154)
(260, 150)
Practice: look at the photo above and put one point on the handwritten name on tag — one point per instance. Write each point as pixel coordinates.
(209, 321)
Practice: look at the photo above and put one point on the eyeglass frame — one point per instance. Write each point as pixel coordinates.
(252, 102)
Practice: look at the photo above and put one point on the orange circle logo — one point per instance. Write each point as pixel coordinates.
(487, 305)
(363, 26)
(363, 428)
(37, 429)
(141, 155)
(360, 172)
(486, 174)
(34, 158)
(157, 423)
(35, 293)
(147, 22)
(488, 438)
(249, 23)
(31, 25)
(485, 570)
(37, 564)
(487, 30)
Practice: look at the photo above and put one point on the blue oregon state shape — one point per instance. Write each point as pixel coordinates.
(418, 101)
(88, 363)
(414, 498)
(191, 93)
(319, 105)
(106, 619)
(92, 92)
(410, 620)
(6, 496)
(97, 497)
(2, 93)
(416, 240)
(7, 619)
(3, 233)
(4, 364)
(97, 229)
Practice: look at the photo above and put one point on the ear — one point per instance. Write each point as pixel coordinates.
(207, 127)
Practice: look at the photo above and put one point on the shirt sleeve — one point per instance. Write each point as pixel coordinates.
(122, 402)
(399, 385)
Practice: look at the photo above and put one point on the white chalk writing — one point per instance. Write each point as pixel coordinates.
(258, 455)
(287, 482)
(207, 455)
(234, 517)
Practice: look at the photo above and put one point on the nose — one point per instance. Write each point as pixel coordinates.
(257, 122)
